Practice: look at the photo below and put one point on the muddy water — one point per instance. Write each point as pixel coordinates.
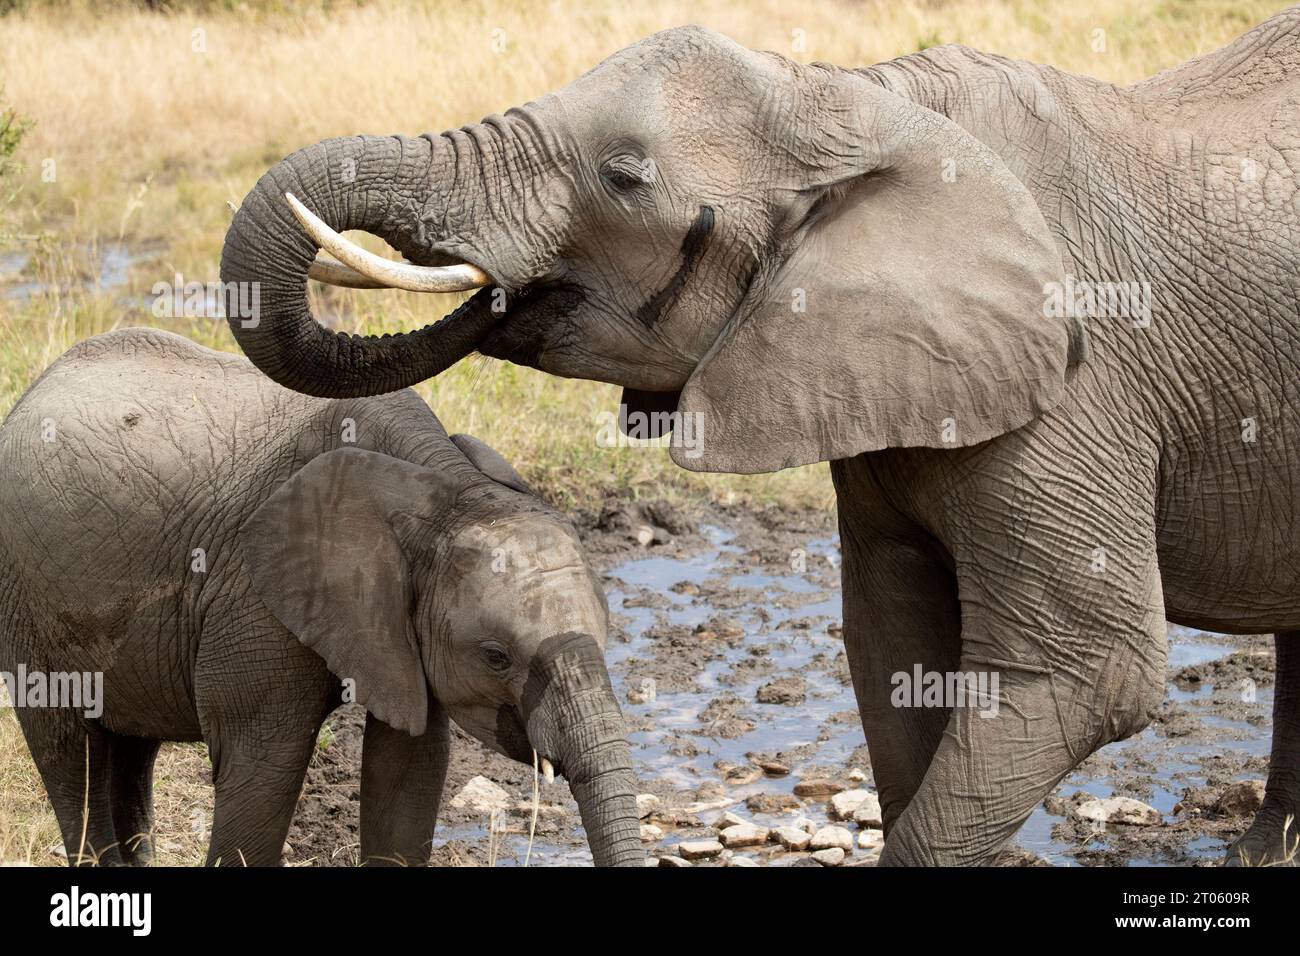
(718, 624)
(111, 264)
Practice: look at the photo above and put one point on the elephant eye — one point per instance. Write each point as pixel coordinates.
(496, 656)
(625, 173)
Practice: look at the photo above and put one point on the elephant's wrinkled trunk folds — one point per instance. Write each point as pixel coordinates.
(573, 718)
(383, 185)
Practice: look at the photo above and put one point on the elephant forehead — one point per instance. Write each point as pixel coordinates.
(528, 545)
(527, 575)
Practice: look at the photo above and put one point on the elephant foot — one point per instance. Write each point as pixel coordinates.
(1272, 840)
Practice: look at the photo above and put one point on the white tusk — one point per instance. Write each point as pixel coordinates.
(336, 273)
(548, 771)
(393, 275)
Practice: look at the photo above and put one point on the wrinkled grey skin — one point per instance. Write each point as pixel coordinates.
(343, 541)
(1019, 491)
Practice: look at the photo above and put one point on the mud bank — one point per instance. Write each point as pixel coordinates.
(726, 655)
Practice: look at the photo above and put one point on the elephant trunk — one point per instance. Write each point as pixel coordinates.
(577, 723)
(389, 186)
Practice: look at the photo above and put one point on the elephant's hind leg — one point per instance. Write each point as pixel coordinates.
(1274, 836)
(74, 758)
(132, 761)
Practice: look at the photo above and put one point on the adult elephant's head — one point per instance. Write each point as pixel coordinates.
(817, 266)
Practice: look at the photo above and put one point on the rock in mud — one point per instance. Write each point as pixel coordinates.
(646, 804)
(730, 819)
(817, 787)
(806, 825)
(481, 795)
(672, 861)
(720, 718)
(792, 838)
(651, 833)
(737, 775)
(744, 834)
(871, 839)
(832, 856)
(772, 803)
(524, 808)
(1241, 799)
(676, 817)
(742, 861)
(828, 838)
(645, 693)
(1122, 810)
(856, 775)
(869, 815)
(698, 849)
(783, 690)
(773, 768)
(845, 805)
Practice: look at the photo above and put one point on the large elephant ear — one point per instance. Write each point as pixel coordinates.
(325, 555)
(906, 308)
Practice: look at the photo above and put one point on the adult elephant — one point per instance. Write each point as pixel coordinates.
(1044, 328)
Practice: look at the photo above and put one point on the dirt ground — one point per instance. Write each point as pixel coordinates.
(726, 654)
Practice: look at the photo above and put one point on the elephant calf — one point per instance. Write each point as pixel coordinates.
(236, 559)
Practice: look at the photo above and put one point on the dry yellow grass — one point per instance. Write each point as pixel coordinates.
(152, 122)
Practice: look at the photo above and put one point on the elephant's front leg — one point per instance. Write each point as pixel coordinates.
(402, 778)
(900, 614)
(1073, 634)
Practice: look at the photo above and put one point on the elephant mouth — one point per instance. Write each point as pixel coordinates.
(534, 322)
(512, 740)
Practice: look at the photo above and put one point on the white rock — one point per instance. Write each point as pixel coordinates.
(831, 838)
(868, 813)
(651, 833)
(730, 819)
(871, 839)
(646, 804)
(806, 825)
(792, 838)
(744, 834)
(704, 806)
(645, 535)
(482, 796)
(1118, 810)
(844, 805)
(856, 775)
(698, 849)
(743, 861)
(830, 857)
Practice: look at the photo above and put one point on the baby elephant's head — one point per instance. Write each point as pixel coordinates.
(451, 586)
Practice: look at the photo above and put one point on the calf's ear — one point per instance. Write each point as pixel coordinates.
(490, 462)
(324, 554)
